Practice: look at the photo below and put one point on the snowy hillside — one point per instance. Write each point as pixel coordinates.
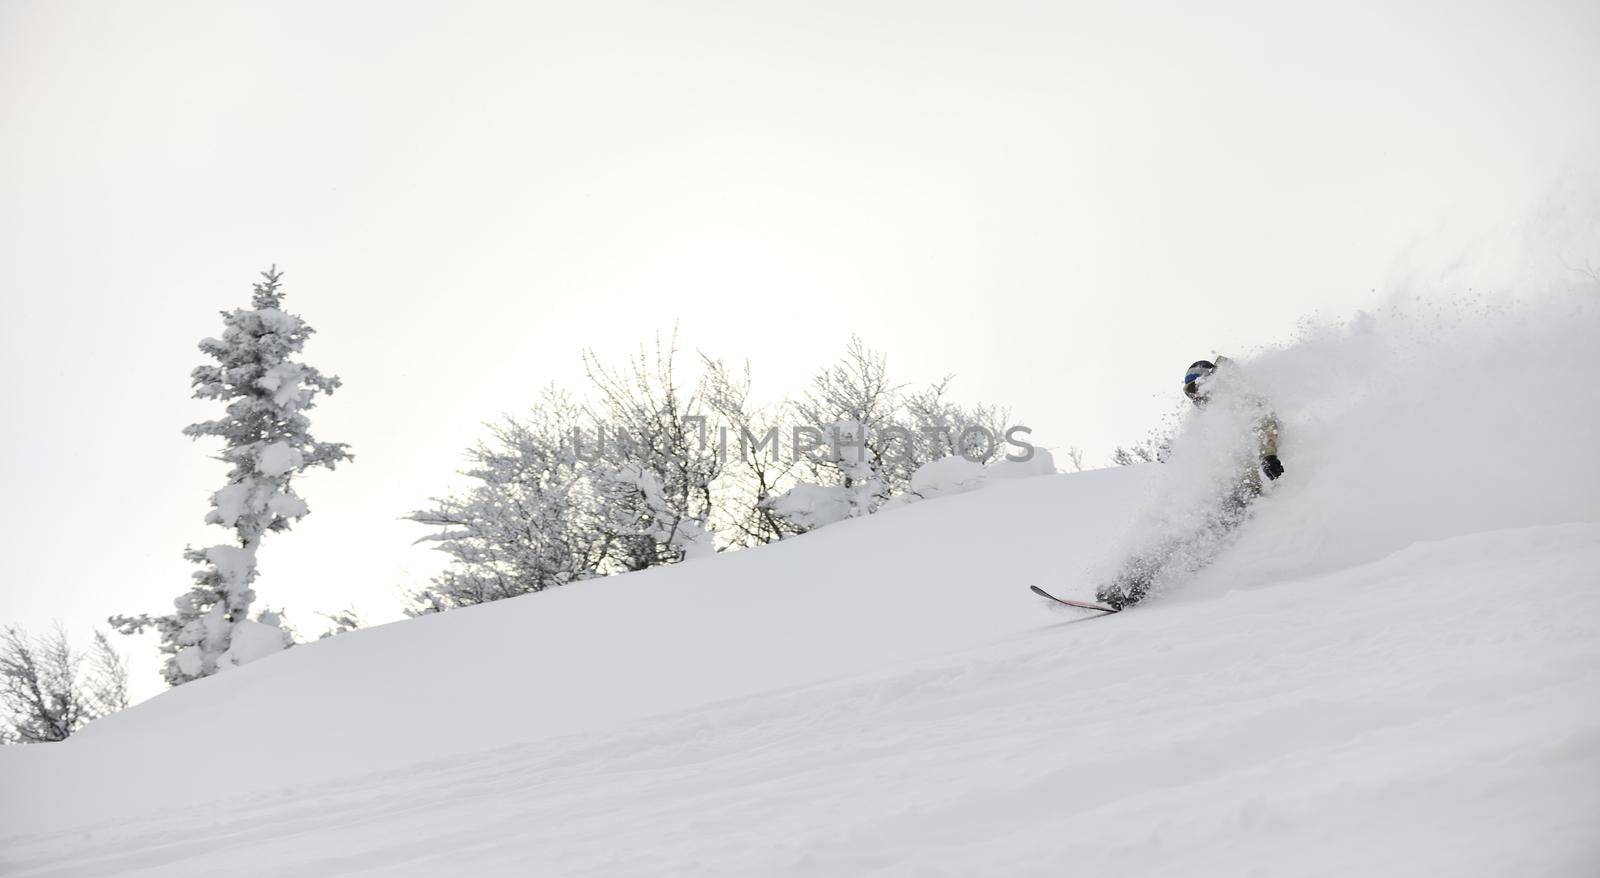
(1392, 670)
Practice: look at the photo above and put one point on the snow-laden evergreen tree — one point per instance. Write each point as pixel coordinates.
(267, 439)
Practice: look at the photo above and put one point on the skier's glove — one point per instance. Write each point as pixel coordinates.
(1272, 466)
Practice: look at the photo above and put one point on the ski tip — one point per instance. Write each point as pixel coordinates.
(1082, 605)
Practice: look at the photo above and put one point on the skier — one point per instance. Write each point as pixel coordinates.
(1204, 382)
(1199, 382)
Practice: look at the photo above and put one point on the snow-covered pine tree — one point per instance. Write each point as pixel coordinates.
(267, 439)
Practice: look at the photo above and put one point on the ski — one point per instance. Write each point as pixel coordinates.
(1082, 605)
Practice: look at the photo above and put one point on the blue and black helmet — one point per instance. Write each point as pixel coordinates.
(1195, 376)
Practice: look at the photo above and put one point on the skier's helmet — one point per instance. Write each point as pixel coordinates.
(1197, 380)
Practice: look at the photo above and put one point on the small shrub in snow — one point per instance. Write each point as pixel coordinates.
(345, 620)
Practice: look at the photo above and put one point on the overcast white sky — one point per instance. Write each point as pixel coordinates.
(1064, 204)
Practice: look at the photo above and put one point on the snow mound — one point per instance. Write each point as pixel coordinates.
(955, 474)
(252, 640)
(813, 506)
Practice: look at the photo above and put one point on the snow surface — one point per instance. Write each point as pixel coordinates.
(1393, 670)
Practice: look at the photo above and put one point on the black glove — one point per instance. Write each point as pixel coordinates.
(1272, 466)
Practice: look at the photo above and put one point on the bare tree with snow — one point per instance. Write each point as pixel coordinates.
(652, 470)
(1075, 456)
(48, 690)
(1153, 448)
(870, 436)
(573, 490)
(847, 413)
(529, 522)
(940, 427)
(267, 439)
(659, 466)
(757, 468)
(343, 621)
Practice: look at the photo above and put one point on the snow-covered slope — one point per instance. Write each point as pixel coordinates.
(1394, 670)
